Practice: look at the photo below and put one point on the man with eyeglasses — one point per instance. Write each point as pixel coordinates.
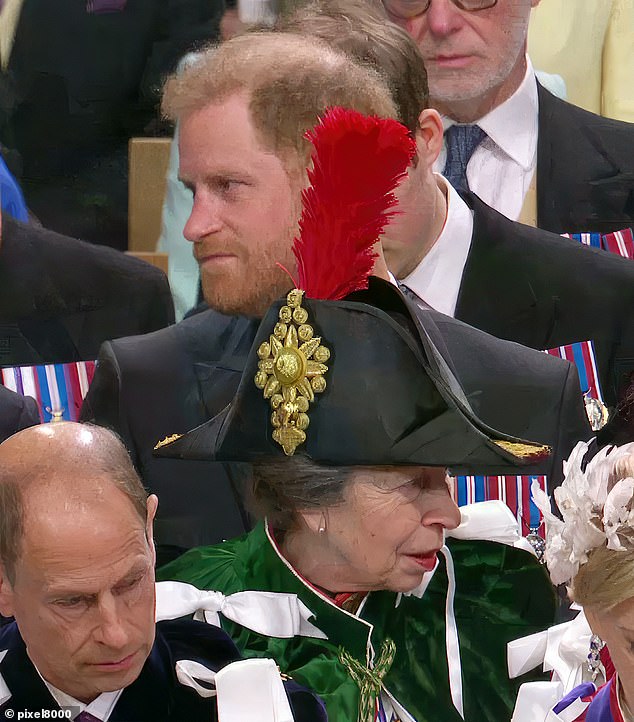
(468, 261)
(527, 154)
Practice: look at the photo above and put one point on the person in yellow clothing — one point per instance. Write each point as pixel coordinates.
(592, 49)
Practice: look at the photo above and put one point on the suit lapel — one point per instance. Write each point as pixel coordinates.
(219, 376)
(496, 294)
(580, 186)
(149, 697)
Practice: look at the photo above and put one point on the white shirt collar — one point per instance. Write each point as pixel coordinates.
(101, 707)
(437, 278)
(513, 125)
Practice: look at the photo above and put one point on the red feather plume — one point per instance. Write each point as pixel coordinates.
(357, 163)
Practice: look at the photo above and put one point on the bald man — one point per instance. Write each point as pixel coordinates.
(77, 574)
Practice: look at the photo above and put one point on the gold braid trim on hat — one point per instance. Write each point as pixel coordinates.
(522, 450)
(291, 374)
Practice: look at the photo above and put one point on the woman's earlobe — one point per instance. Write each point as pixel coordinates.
(314, 520)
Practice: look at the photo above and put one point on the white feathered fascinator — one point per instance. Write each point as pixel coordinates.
(593, 515)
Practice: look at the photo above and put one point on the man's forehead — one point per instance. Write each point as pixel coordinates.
(75, 496)
(85, 567)
(60, 520)
(229, 106)
(78, 577)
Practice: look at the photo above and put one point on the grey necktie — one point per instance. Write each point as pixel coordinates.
(461, 141)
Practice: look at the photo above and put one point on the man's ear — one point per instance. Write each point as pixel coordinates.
(429, 136)
(6, 593)
(534, 3)
(152, 506)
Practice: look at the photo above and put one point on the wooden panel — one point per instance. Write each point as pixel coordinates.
(148, 160)
(160, 260)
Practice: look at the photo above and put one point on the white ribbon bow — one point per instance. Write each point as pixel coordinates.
(266, 700)
(490, 521)
(269, 613)
(562, 649)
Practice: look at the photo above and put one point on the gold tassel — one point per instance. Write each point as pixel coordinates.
(369, 681)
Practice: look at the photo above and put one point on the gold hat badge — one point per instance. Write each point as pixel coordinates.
(291, 371)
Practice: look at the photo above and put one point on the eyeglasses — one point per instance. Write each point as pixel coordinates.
(407, 9)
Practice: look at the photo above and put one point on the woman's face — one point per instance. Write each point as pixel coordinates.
(615, 626)
(388, 530)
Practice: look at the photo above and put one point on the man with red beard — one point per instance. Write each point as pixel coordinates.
(243, 111)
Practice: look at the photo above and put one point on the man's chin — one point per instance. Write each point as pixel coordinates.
(111, 681)
(230, 302)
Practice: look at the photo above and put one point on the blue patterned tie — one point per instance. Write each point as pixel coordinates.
(461, 141)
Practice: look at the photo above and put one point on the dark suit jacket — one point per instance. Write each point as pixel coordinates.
(77, 87)
(541, 290)
(156, 694)
(16, 412)
(60, 298)
(149, 387)
(585, 169)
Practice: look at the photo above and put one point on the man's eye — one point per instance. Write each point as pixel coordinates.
(227, 185)
(127, 586)
(69, 602)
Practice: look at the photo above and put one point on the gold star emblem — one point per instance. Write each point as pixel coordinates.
(291, 371)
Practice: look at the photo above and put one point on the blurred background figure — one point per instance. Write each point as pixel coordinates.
(61, 298)
(11, 197)
(17, 412)
(592, 49)
(79, 79)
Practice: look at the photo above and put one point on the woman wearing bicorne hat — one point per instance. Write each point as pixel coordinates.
(350, 411)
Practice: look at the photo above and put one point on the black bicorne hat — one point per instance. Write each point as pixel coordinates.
(352, 382)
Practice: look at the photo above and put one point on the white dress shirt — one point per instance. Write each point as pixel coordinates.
(101, 707)
(437, 278)
(502, 166)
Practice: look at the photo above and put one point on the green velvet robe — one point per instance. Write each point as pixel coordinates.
(502, 593)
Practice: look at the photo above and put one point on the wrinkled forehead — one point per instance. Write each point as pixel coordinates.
(386, 476)
(90, 565)
(78, 528)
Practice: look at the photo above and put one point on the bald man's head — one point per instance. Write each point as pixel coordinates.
(60, 468)
(77, 556)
